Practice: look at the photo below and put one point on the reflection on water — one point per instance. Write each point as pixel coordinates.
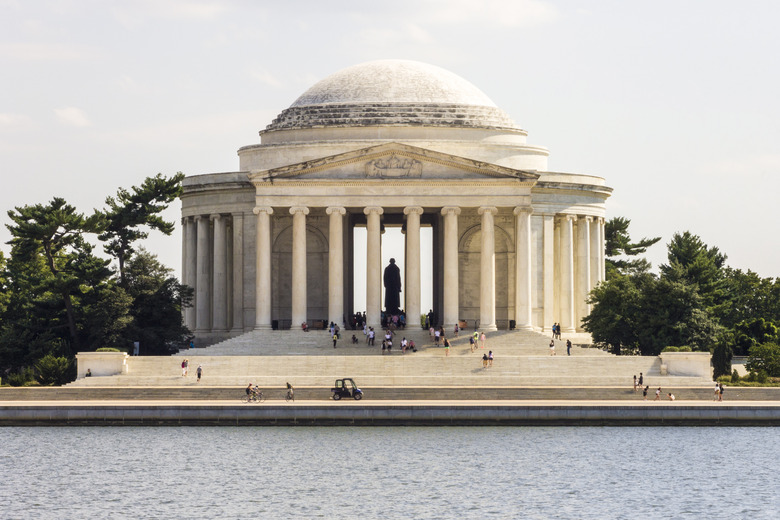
(201, 472)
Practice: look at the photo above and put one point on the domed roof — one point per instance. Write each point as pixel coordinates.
(394, 81)
(392, 92)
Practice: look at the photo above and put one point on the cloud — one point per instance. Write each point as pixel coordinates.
(266, 78)
(46, 52)
(508, 13)
(135, 13)
(72, 116)
(14, 121)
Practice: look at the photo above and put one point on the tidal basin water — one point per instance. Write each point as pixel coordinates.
(388, 473)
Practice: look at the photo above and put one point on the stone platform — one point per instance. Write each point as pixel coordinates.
(308, 359)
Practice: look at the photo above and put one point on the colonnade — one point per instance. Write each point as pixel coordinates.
(212, 264)
(572, 262)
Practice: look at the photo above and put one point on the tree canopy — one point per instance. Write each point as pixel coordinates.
(58, 297)
(696, 300)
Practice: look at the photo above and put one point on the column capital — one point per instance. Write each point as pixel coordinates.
(373, 209)
(487, 209)
(416, 210)
(299, 209)
(522, 210)
(587, 218)
(197, 217)
(215, 216)
(237, 214)
(567, 216)
(338, 210)
(263, 209)
(450, 210)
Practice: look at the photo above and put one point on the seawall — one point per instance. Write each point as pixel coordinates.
(385, 413)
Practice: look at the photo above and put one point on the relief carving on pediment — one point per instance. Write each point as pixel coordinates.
(394, 166)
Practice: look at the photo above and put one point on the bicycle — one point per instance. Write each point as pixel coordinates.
(256, 397)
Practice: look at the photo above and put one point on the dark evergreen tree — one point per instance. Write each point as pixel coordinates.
(131, 211)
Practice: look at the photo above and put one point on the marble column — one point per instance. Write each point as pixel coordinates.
(238, 272)
(202, 277)
(487, 284)
(263, 268)
(413, 291)
(602, 247)
(373, 267)
(336, 264)
(595, 243)
(583, 269)
(567, 273)
(548, 261)
(451, 287)
(523, 294)
(190, 268)
(219, 277)
(299, 293)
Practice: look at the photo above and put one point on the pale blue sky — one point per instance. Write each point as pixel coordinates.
(675, 103)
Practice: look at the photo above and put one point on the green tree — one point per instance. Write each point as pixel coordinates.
(618, 244)
(615, 312)
(749, 333)
(158, 299)
(55, 232)
(692, 262)
(764, 358)
(748, 296)
(130, 210)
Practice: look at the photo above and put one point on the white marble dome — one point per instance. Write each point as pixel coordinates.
(392, 93)
(394, 81)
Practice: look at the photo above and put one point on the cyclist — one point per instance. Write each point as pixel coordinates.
(290, 392)
(249, 392)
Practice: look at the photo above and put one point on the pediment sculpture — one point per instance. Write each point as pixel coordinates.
(394, 166)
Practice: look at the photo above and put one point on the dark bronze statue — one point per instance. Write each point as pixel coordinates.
(392, 288)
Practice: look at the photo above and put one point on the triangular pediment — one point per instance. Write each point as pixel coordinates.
(393, 161)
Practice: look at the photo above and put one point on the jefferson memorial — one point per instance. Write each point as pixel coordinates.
(391, 143)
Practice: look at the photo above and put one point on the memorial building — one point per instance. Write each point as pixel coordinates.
(382, 144)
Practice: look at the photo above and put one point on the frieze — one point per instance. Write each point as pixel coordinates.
(394, 166)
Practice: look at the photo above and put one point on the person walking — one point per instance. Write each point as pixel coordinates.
(472, 345)
(199, 372)
(644, 392)
(490, 358)
(657, 394)
(184, 368)
(552, 347)
(641, 380)
(568, 350)
(720, 391)
(634, 382)
(483, 339)
(484, 361)
(717, 392)
(335, 338)
(446, 347)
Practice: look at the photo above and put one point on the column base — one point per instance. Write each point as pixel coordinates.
(524, 327)
(263, 327)
(489, 328)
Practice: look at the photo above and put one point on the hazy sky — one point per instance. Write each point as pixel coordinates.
(675, 103)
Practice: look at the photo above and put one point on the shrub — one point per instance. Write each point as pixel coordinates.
(762, 377)
(670, 349)
(108, 349)
(53, 370)
(735, 376)
(21, 378)
(684, 348)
